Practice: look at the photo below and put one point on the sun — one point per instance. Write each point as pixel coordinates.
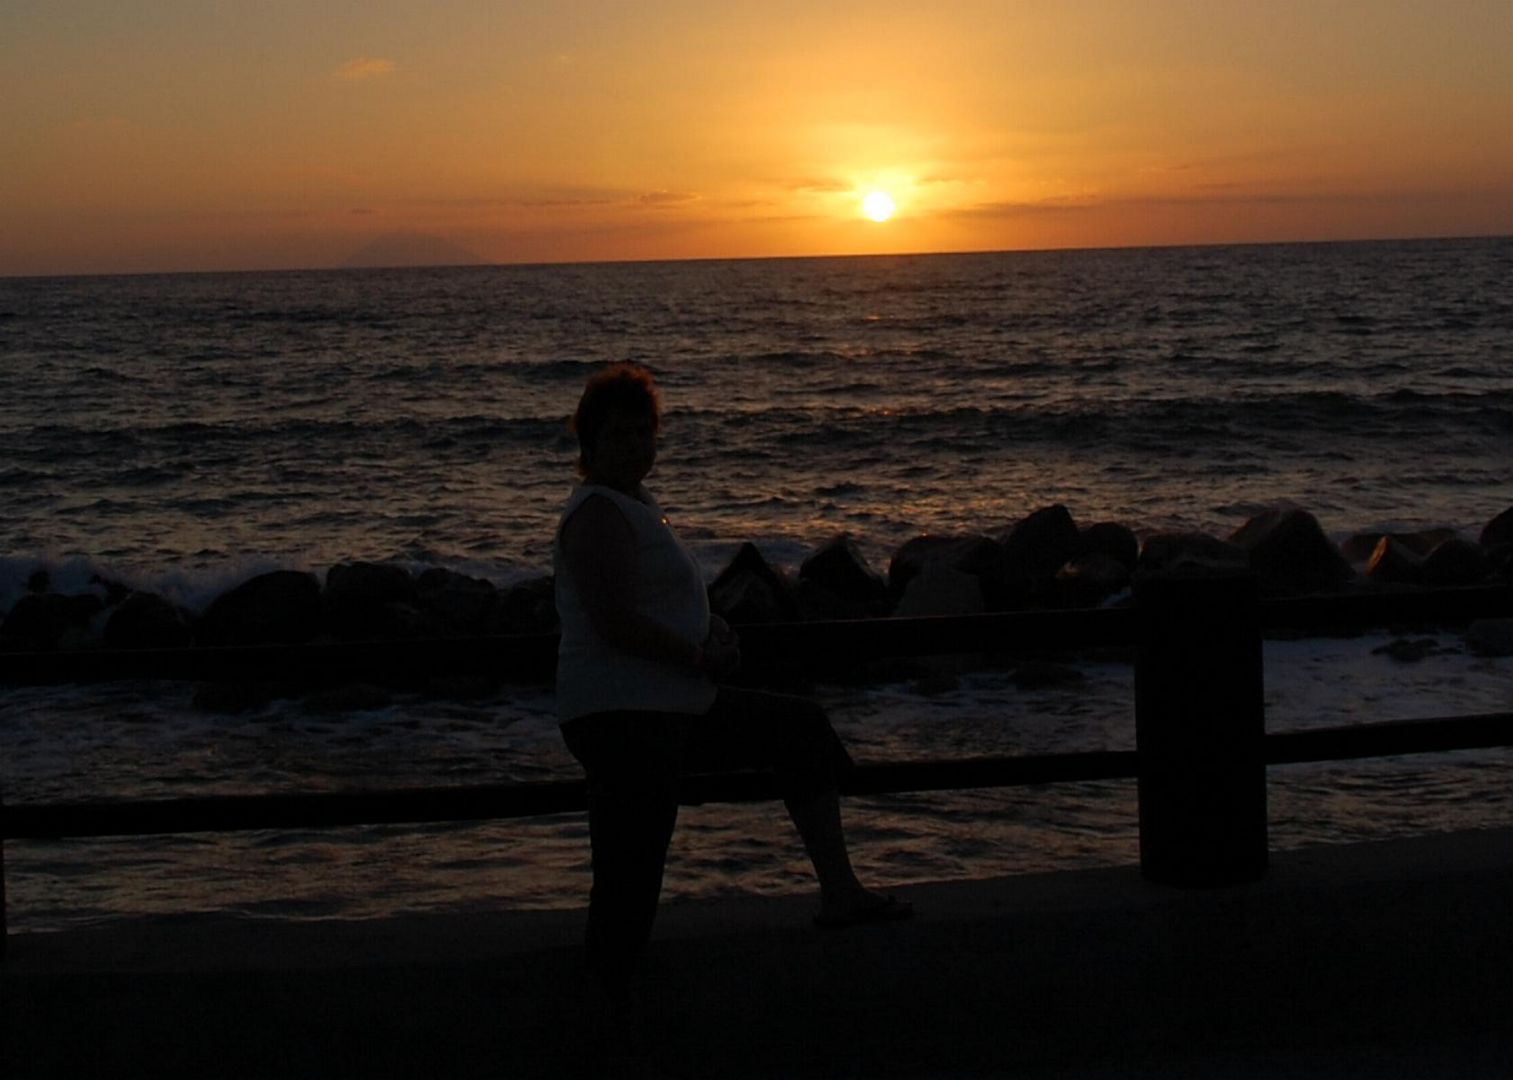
(877, 205)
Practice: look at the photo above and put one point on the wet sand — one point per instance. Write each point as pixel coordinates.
(1391, 959)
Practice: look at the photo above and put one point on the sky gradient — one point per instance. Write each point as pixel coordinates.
(257, 135)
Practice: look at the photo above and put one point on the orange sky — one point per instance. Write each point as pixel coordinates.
(194, 135)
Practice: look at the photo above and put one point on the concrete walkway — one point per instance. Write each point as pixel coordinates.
(1382, 960)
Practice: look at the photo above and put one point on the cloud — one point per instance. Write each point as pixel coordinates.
(822, 185)
(365, 67)
(1214, 196)
(993, 210)
(663, 199)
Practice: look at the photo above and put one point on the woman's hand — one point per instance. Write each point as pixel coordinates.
(722, 649)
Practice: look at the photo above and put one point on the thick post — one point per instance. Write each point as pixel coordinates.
(1200, 726)
(4, 922)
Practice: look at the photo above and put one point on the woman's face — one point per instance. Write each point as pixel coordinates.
(625, 450)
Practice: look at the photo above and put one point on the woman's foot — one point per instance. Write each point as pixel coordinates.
(866, 907)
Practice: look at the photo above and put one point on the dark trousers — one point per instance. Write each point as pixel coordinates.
(634, 761)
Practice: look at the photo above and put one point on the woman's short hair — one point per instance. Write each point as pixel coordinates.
(624, 387)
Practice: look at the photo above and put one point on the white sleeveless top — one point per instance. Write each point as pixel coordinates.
(592, 675)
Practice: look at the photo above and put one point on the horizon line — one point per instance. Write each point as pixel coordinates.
(546, 264)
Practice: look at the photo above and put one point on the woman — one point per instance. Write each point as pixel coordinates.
(637, 694)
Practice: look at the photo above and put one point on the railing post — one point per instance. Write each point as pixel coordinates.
(1200, 727)
(4, 922)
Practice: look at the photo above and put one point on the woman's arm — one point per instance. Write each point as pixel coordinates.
(598, 548)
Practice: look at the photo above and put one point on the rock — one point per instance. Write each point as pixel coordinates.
(816, 603)
(1395, 562)
(395, 622)
(750, 590)
(1456, 562)
(1290, 552)
(464, 605)
(115, 592)
(939, 590)
(527, 608)
(147, 621)
(349, 697)
(1501, 558)
(1037, 547)
(463, 686)
(980, 556)
(1114, 540)
(1490, 637)
(43, 622)
(366, 582)
(1409, 651)
(840, 569)
(1361, 546)
(1498, 531)
(236, 697)
(1179, 552)
(1089, 579)
(366, 601)
(278, 608)
(933, 683)
(1040, 674)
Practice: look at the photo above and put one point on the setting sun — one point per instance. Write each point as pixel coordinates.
(878, 205)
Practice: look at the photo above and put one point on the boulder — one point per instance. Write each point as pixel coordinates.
(1456, 562)
(979, 556)
(750, 590)
(839, 569)
(232, 698)
(940, 590)
(1395, 562)
(147, 621)
(464, 605)
(816, 603)
(1089, 579)
(347, 698)
(115, 592)
(365, 600)
(465, 686)
(1501, 558)
(1360, 547)
(1112, 539)
(1036, 548)
(278, 608)
(1409, 650)
(398, 621)
(1498, 531)
(1290, 553)
(527, 608)
(1490, 637)
(43, 622)
(1178, 552)
(1043, 674)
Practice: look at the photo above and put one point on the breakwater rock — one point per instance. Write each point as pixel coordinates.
(1046, 559)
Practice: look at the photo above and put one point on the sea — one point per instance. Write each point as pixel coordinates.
(180, 433)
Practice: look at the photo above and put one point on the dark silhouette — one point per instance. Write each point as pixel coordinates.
(638, 695)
